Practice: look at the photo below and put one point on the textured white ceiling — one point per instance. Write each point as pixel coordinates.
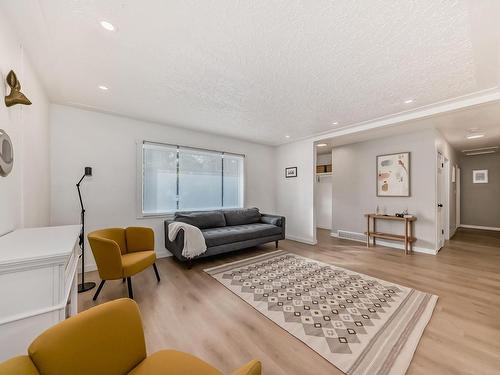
(260, 69)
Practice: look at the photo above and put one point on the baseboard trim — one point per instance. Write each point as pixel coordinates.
(93, 267)
(301, 239)
(394, 245)
(323, 227)
(479, 227)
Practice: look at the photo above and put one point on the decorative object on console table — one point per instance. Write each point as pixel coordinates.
(15, 96)
(393, 175)
(83, 286)
(290, 172)
(407, 238)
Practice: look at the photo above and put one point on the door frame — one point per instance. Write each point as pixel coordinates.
(442, 197)
(457, 203)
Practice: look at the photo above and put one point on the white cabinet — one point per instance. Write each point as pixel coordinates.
(38, 283)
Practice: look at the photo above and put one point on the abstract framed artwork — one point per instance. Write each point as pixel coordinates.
(480, 176)
(393, 175)
(290, 172)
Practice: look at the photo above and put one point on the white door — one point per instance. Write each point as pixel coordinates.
(440, 200)
(457, 181)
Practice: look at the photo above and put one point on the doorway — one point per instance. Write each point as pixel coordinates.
(323, 186)
(443, 200)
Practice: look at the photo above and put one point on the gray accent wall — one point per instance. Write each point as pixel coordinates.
(354, 185)
(480, 203)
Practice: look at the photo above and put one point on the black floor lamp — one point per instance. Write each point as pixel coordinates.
(84, 286)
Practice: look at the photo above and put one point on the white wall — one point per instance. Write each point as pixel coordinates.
(295, 196)
(107, 143)
(354, 188)
(24, 193)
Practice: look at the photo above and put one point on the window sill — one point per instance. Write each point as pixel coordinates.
(155, 216)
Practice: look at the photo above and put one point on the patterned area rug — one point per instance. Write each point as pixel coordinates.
(361, 324)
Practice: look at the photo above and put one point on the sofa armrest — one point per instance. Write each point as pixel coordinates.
(177, 245)
(272, 219)
(251, 368)
(277, 220)
(107, 256)
(21, 365)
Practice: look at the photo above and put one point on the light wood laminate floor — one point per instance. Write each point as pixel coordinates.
(190, 311)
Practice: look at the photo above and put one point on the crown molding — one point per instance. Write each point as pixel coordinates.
(486, 96)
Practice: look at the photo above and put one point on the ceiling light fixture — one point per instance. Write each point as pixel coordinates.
(475, 136)
(408, 101)
(322, 144)
(335, 123)
(107, 25)
(287, 136)
(481, 149)
(103, 88)
(480, 153)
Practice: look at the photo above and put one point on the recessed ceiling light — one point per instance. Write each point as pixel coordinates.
(408, 101)
(103, 88)
(287, 136)
(335, 123)
(474, 136)
(107, 25)
(322, 144)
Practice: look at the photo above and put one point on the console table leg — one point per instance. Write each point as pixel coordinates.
(374, 229)
(406, 237)
(368, 231)
(410, 225)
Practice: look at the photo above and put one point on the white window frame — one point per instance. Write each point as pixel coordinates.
(140, 178)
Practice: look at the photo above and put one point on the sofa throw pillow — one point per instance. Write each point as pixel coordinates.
(202, 219)
(242, 216)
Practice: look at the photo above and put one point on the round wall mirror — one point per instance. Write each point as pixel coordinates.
(6, 154)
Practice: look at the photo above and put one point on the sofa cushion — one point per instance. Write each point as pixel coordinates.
(240, 216)
(236, 233)
(202, 219)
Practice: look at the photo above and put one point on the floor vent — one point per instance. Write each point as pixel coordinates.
(352, 235)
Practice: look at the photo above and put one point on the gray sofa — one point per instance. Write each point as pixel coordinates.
(227, 230)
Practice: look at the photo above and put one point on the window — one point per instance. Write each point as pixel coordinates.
(177, 178)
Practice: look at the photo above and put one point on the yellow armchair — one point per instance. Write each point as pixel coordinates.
(106, 340)
(121, 253)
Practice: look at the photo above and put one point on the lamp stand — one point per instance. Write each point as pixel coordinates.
(83, 286)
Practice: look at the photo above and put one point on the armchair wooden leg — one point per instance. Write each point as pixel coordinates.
(123, 280)
(98, 290)
(129, 284)
(156, 272)
(277, 244)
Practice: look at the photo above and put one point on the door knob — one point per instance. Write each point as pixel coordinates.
(440, 205)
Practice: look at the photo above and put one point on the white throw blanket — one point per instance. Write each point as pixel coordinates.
(194, 242)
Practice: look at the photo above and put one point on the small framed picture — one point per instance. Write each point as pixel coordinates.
(290, 172)
(480, 176)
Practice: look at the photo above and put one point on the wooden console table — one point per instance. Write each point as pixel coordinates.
(407, 238)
